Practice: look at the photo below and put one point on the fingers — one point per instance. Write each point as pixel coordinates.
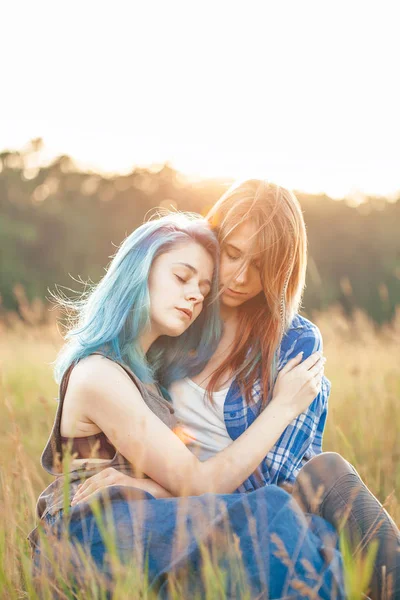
(83, 486)
(317, 368)
(293, 362)
(312, 360)
(315, 375)
(307, 364)
(91, 485)
(90, 489)
(317, 384)
(316, 381)
(87, 497)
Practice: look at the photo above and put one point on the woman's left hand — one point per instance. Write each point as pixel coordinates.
(111, 476)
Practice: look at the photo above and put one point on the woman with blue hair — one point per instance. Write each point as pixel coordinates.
(156, 312)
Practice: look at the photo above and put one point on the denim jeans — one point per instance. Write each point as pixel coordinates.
(282, 551)
(330, 487)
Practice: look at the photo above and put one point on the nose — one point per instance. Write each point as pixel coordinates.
(194, 295)
(241, 276)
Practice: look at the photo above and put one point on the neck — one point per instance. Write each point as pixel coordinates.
(229, 315)
(147, 338)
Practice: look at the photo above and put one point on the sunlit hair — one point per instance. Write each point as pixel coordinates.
(113, 314)
(281, 235)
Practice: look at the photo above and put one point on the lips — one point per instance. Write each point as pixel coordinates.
(235, 292)
(186, 311)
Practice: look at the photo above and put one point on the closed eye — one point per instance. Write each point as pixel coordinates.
(180, 278)
(232, 256)
(232, 252)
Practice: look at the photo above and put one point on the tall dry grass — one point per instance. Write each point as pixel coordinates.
(363, 424)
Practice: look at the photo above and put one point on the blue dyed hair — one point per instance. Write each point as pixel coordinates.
(112, 316)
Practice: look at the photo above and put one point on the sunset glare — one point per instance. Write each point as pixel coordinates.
(302, 93)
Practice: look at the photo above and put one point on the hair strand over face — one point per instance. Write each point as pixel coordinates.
(282, 240)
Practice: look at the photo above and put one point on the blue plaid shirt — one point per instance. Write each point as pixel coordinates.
(302, 439)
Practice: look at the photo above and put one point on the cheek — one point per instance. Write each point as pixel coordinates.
(225, 270)
(256, 286)
(196, 314)
(168, 287)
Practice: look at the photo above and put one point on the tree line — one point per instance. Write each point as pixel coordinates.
(59, 224)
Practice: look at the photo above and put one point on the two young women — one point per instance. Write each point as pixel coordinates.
(266, 397)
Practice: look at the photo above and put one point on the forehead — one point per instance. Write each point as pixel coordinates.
(245, 237)
(192, 253)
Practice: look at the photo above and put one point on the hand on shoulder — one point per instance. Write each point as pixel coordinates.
(302, 336)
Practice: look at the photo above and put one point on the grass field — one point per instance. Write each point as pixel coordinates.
(363, 424)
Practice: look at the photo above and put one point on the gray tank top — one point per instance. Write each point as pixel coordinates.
(52, 499)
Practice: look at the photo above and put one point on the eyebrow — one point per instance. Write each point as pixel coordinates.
(194, 271)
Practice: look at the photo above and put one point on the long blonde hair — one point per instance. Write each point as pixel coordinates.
(281, 234)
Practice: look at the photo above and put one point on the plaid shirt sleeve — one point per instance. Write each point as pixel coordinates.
(316, 443)
(302, 439)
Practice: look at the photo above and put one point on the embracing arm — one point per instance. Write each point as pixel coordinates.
(110, 400)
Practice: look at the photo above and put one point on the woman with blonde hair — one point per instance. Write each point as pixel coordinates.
(263, 246)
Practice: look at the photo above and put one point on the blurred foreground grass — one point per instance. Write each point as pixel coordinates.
(363, 424)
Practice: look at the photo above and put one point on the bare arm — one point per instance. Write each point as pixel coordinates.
(109, 399)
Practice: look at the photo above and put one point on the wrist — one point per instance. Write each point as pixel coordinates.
(128, 480)
(281, 409)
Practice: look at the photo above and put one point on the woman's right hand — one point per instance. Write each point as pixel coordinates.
(298, 383)
(110, 476)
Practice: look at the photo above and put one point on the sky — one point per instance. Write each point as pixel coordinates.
(303, 93)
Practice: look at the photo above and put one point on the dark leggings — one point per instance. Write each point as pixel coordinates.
(330, 486)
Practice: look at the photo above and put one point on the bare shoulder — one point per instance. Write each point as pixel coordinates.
(96, 384)
(97, 374)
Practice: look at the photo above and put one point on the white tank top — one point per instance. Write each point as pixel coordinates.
(201, 425)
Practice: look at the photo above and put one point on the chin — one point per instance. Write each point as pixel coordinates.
(175, 330)
(231, 302)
